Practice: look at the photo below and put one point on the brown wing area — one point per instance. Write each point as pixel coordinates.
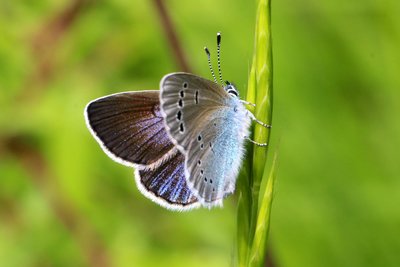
(129, 127)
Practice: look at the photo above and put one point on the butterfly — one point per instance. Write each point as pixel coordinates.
(186, 141)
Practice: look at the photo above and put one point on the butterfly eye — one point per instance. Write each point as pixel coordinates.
(233, 92)
(230, 89)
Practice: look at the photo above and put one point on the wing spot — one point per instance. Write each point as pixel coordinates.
(199, 162)
(213, 189)
(201, 171)
(210, 181)
(179, 115)
(235, 109)
(199, 138)
(215, 124)
(196, 97)
(201, 146)
(185, 85)
(205, 179)
(182, 93)
(181, 128)
(180, 103)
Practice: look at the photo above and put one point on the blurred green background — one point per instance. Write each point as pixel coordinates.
(63, 202)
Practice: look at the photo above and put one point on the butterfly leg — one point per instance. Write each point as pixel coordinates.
(256, 143)
(251, 115)
(247, 103)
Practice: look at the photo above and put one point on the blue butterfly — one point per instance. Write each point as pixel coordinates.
(186, 141)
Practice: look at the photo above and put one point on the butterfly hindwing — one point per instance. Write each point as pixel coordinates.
(129, 127)
(166, 185)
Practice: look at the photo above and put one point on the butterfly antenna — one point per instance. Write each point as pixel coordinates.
(209, 63)
(218, 57)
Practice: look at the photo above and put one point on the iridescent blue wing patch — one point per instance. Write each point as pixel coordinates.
(166, 185)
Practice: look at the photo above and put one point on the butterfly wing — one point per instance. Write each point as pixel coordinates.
(206, 125)
(166, 185)
(186, 100)
(129, 127)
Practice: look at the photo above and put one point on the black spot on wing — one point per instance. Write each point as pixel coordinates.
(179, 115)
(196, 97)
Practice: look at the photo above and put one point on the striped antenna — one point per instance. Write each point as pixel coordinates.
(218, 57)
(209, 64)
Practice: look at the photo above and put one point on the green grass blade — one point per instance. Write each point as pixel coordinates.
(257, 254)
(259, 91)
(262, 66)
(262, 84)
(243, 246)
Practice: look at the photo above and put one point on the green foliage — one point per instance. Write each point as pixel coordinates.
(253, 217)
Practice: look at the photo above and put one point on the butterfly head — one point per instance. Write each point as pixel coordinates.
(231, 89)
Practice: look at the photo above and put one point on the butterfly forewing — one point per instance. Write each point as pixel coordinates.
(208, 126)
(129, 127)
